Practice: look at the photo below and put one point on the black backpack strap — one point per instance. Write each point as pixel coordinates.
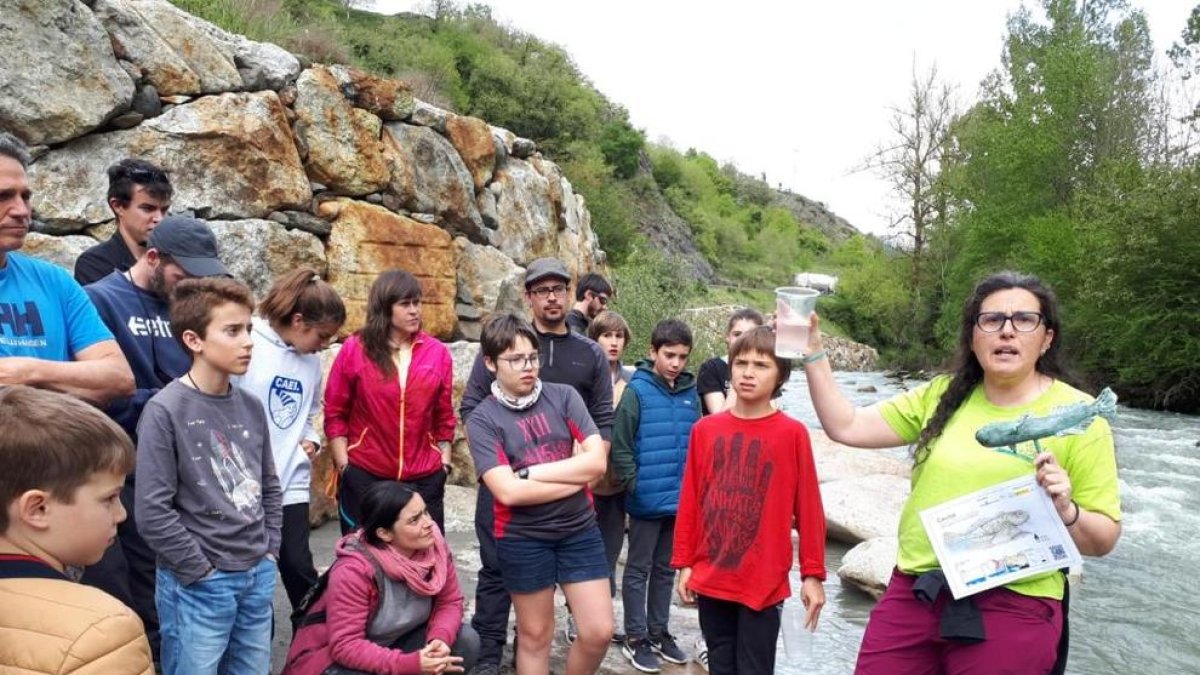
(1064, 640)
(301, 616)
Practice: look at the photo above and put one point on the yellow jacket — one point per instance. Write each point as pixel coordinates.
(56, 626)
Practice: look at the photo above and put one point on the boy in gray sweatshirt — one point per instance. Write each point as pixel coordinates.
(208, 499)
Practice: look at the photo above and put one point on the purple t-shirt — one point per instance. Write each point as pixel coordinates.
(544, 432)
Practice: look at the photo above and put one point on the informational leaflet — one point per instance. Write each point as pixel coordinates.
(998, 535)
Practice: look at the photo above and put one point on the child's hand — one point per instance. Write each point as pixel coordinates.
(812, 594)
(687, 595)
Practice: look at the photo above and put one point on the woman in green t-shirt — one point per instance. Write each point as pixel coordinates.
(1007, 365)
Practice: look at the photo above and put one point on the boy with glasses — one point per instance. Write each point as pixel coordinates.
(566, 358)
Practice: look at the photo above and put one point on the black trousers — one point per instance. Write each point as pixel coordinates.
(492, 601)
(295, 557)
(740, 640)
(610, 516)
(466, 645)
(355, 481)
(126, 571)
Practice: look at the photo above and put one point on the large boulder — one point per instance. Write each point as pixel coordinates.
(368, 239)
(344, 150)
(857, 509)
(464, 354)
(483, 275)
(322, 504)
(61, 78)
(389, 99)
(428, 175)
(868, 566)
(62, 251)
(257, 251)
(836, 462)
(230, 156)
(472, 138)
(163, 41)
(528, 227)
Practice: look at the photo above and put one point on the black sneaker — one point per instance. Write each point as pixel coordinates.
(618, 638)
(664, 645)
(641, 655)
(570, 632)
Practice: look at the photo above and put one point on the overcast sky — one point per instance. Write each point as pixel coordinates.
(799, 91)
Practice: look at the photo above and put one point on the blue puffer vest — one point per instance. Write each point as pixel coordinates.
(660, 446)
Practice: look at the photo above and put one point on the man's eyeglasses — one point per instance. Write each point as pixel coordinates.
(542, 292)
(520, 361)
(603, 299)
(1023, 322)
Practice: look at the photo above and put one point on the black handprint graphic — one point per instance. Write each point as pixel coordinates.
(733, 499)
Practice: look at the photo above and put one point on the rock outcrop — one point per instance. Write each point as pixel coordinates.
(324, 166)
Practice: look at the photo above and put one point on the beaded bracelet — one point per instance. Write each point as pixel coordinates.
(813, 357)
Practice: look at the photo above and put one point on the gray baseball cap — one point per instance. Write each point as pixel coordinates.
(544, 268)
(190, 243)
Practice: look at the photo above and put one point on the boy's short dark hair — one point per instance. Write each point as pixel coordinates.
(762, 340)
(54, 442)
(593, 282)
(745, 314)
(500, 333)
(609, 321)
(127, 173)
(193, 300)
(671, 332)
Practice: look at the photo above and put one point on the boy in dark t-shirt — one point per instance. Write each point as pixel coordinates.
(733, 552)
(522, 439)
(712, 380)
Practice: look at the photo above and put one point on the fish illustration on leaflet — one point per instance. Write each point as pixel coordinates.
(1065, 421)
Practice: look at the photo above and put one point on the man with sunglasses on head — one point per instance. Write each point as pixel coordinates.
(139, 194)
(566, 358)
(134, 304)
(592, 292)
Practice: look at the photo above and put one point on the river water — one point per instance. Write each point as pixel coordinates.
(1135, 609)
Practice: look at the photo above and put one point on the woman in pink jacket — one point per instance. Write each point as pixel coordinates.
(388, 414)
(393, 604)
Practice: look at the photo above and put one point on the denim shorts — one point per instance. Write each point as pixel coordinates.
(529, 565)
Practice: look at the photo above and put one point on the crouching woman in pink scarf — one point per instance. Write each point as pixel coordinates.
(393, 604)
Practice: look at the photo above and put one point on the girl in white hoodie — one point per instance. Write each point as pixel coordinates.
(299, 317)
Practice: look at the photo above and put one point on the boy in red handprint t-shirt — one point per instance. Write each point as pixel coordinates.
(732, 550)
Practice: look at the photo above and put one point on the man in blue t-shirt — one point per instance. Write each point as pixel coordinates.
(50, 334)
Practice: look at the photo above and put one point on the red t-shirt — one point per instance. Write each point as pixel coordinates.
(744, 485)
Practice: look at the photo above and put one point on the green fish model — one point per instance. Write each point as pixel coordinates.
(1064, 421)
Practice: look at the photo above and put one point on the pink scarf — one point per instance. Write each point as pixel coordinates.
(424, 573)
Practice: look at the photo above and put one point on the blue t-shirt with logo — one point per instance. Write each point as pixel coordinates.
(44, 314)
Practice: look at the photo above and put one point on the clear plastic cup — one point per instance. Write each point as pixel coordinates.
(797, 640)
(793, 308)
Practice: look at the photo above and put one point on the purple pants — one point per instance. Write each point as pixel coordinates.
(903, 638)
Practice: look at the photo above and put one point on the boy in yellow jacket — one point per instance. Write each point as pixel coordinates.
(62, 465)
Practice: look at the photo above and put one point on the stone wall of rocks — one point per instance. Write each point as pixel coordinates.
(294, 164)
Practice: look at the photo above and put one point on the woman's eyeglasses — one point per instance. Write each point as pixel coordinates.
(1022, 322)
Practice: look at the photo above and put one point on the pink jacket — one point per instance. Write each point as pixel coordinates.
(348, 603)
(381, 423)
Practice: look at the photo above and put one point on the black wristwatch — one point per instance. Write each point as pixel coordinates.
(523, 474)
